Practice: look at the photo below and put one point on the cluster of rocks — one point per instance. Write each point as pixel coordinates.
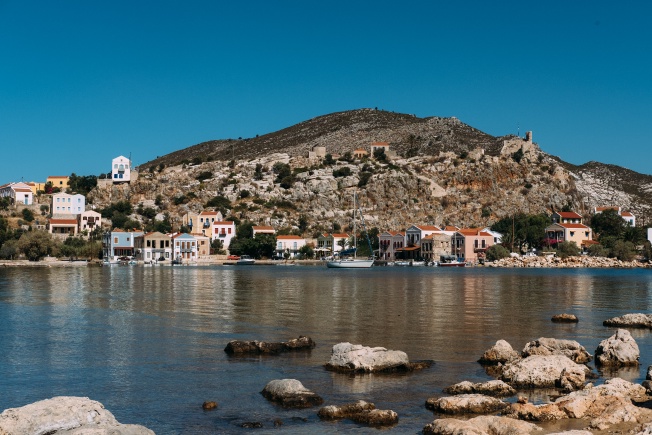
(568, 262)
(548, 363)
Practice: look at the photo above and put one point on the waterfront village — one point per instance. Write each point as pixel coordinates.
(206, 236)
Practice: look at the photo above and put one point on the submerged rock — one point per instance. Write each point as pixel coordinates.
(65, 414)
(634, 320)
(347, 357)
(256, 347)
(209, 405)
(500, 353)
(618, 350)
(466, 404)
(482, 425)
(494, 388)
(290, 393)
(553, 346)
(360, 412)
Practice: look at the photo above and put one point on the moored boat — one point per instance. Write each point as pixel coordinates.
(245, 260)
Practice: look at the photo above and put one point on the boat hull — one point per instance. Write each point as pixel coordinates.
(350, 264)
(458, 264)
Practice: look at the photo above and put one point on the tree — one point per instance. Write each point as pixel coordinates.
(306, 252)
(328, 160)
(303, 223)
(598, 250)
(567, 249)
(9, 250)
(527, 230)
(379, 154)
(497, 252)
(81, 184)
(220, 202)
(36, 245)
(624, 251)
(28, 215)
(608, 224)
(217, 247)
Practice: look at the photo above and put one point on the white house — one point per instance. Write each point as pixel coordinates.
(68, 204)
(290, 244)
(224, 231)
(418, 232)
(153, 247)
(121, 170)
(329, 244)
(20, 193)
(89, 221)
(184, 248)
(63, 225)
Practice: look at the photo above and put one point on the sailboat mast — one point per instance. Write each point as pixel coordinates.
(355, 239)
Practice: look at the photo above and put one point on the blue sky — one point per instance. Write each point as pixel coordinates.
(82, 82)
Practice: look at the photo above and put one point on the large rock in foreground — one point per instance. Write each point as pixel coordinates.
(347, 357)
(545, 371)
(256, 347)
(634, 320)
(290, 393)
(61, 415)
(618, 350)
(483, 425)
(553, 346)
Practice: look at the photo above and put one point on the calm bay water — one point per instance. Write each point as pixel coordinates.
(148, 342)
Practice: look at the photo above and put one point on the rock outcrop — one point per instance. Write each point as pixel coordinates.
(290, 393)
(352, 358)
(553, 346)
(255, 347)
(62, 415)
(618, 350)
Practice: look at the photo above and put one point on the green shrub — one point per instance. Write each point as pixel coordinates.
(496, 252)
(567, 249)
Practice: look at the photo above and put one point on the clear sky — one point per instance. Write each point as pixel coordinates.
(82, 82)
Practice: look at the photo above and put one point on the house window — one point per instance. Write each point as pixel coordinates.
(484, 243)
(229, 230)
(572, 233)
(149, 243)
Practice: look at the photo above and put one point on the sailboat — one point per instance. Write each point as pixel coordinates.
(347, 258)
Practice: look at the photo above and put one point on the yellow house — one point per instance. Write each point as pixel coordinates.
(60, 181)
(36, 186)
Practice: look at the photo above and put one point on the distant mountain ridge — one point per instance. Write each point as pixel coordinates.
(446, 172)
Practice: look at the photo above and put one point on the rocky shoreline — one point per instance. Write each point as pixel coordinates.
(549, 261)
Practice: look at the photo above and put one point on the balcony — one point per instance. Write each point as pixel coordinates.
(222, 235)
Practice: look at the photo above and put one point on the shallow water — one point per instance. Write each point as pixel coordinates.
(148, 342)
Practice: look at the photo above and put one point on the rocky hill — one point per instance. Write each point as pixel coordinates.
(442, 171)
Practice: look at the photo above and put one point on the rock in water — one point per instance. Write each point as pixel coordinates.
(635, 320)
(65, 414)
(482, 425)
(618, 350)
(349, 357)
(256, 347)
(499, 353)
(290, 393)
(564, 318)
(543, 371)
(466, 404)
(552, 346)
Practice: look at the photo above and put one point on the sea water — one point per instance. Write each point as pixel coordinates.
(148, 342)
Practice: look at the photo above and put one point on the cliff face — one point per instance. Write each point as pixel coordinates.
(444, 172)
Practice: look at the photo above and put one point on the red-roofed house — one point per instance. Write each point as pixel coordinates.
(289, 244)
(562, 232)
(566, 217)
(434, 245)
(62, 226)
(470, 244)
(201, 223)
(417, 232)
